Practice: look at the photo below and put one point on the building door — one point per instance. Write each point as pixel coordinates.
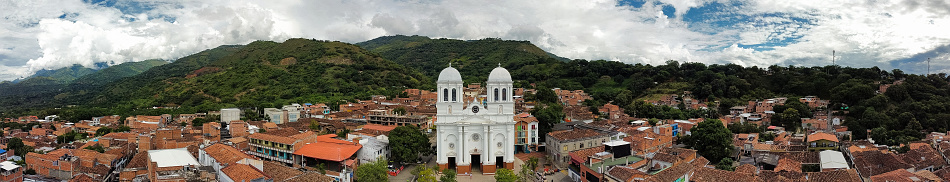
(499, 162)
(452, 163)
(476, 162)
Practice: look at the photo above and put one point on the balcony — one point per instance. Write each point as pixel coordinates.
(273, 158)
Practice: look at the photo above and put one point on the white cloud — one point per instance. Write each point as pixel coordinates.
(864, 33)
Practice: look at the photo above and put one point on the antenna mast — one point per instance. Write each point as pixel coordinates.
(832, 57)
(928, 66)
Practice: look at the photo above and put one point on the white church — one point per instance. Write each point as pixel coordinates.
(475, 136)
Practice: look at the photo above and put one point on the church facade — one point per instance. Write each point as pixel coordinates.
(475, 135)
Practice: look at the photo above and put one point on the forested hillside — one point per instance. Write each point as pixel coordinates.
(269, 74)
(260, 74)
(920, 99)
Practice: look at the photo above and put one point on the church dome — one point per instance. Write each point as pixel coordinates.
(499, 74)
(450, 74)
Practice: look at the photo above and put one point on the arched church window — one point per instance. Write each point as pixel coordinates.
(445, 94)
(453, 95)
(504, 94)
(496, 94)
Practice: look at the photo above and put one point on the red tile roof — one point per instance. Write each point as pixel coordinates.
(243, 172)
(786, 164)
(379, 127)
(898, 175)
(226, 155)
(822, 136)
(707, 174)
(875, 162)
(331, 151)
(575, 134)
(847, 175)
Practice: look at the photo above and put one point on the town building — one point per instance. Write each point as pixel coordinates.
(561, 143)
(527, 133)
(279, 145)
(822, 141)
(475, 136)
(10, 172)
(375, 141)
(230, 114)
(170, 165)
(337, 155)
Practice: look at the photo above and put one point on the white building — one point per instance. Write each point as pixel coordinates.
(288, 113)
(373, 147)
(230, 114)
(475, 136)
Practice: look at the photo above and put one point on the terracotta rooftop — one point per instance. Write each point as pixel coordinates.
(272, 138)
(226, 155)
(624, 173)
(702, 174)
(875, 162)
(925, 174)
(822, 136)
(279, 171)
(847, 175)
(574, 134)
(672, 173)
(582, 155)
(139, 161)
(378, 127)
(897, 176)
(328, 150)
(747, 168)
(82, 178)
(786, 164)
(923, 156)
(243, 172)
(311, 177)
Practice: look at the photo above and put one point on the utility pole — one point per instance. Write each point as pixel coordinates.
(832, 57)
(928, 66)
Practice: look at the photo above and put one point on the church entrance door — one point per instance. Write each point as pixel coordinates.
(476, 163)
(499, 162)
(452, 163)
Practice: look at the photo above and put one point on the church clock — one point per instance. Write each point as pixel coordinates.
(475, 109)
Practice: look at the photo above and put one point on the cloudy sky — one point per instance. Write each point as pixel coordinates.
(50, 34)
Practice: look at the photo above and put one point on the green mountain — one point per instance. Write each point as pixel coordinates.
(262, 73)
(117, 72)
(57, 76)
(474, 58)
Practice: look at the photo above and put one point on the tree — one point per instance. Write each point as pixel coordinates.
(505, 175)
(400, 111)
(914, 125)
(373, 171)
(103, 131)
(122, 128)
(198, 122)
(624, 98)
(424, 173)
(548, 115)
(448, 175)
(726, 164)
(407, 143)
(97, 148)
(789, 119)
(711, 140)
(16, 144)
(546, 95)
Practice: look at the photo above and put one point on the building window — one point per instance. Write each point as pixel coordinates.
(496, 94)
(453, 95)
(445, 94)
(504, 94)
